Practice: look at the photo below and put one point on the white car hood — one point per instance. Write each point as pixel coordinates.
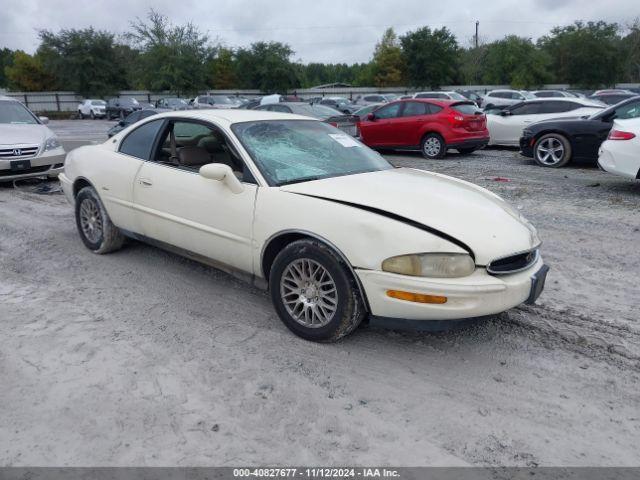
(21, 134)
(481, 220)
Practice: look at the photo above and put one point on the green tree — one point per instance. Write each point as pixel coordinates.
(222, 70)
(267, 67)
(431, 56)
(27, 74)
(630, 51)
(388, 62)
(6, 60)
(172, 57)
(83, 61)
(514, 61)
(585, 54)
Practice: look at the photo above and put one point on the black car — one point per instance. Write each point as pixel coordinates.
(554, 143)
(121, 107)
(133, 118)
(339, 103)
(346, 123)
(611, 98)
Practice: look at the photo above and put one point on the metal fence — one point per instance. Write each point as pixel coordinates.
(68, 101)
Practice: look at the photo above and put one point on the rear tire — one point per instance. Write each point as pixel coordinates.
(433, 146)
(96, 230)
(314, 293)
(552, 150)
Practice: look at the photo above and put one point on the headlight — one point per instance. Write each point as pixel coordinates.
(51, 143)
(442, 265)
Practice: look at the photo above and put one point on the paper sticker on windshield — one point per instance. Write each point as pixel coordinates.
(344, 140)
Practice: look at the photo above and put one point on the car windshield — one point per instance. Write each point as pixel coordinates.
(15, 113)
(316, 111)
(292, 151)
(100, 103)
(128, 101)
(176, 101)
(528, 95)
(222, 99)
(457, 96)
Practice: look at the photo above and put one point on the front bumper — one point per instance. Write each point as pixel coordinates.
(477, 295)
(526, 145)
(49, 164)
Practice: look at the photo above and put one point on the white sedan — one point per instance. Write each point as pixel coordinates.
(93, 108)
(505, 127)
(620, 153)
(295, 205)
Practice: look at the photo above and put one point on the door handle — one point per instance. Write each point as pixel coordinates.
(145, 182)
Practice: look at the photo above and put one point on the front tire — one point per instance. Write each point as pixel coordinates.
(96, 230)
(314, 293)
(433, 146)
(552, 150)
(80, 115)
(92, 115)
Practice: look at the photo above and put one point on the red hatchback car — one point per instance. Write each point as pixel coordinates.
(433, 126)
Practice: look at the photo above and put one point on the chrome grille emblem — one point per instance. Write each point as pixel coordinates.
(17, 152)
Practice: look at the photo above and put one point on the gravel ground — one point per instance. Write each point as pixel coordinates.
(144, 358)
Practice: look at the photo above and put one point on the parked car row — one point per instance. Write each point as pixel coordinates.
(548, 125)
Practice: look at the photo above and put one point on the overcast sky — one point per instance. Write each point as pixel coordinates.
(317, 30)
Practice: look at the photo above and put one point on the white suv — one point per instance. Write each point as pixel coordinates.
(504, 98)
(27, 147)
(93, 108)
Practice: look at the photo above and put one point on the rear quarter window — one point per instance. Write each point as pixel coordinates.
(140, 142)
(465, 108)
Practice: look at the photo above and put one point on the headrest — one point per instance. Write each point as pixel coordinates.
(189, 156)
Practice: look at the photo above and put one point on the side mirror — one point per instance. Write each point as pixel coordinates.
(371, 117)
(505, 113)
(44, 120)
(121, 123)
(222, 173)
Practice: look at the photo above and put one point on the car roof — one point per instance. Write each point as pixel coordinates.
(5, 98)
(582, 101)
(442, 102)
(228, 117)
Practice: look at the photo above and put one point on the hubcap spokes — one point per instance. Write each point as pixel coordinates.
(90, 220)
(550, 151)
(432, 147)
(309, 293)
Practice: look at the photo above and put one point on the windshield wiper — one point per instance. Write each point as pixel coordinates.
(298, 180)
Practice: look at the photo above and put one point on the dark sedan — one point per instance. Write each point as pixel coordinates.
(346, 123)
(611, 97)
(555, 143)
(121, 107)
(133, 118)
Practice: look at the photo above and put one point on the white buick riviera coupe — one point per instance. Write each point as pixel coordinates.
(294, 205)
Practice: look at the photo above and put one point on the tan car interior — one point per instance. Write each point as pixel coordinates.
(199, 146)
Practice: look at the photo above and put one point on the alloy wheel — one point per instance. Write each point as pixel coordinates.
(90, 220)
(550, 151)
(308, 293)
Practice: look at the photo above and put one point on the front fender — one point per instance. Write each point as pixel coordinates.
(364, 238)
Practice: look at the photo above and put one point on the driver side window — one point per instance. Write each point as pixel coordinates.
(388, 111)
(190, 145)
(526, 109)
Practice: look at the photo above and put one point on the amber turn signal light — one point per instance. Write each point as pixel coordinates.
(416, 297)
